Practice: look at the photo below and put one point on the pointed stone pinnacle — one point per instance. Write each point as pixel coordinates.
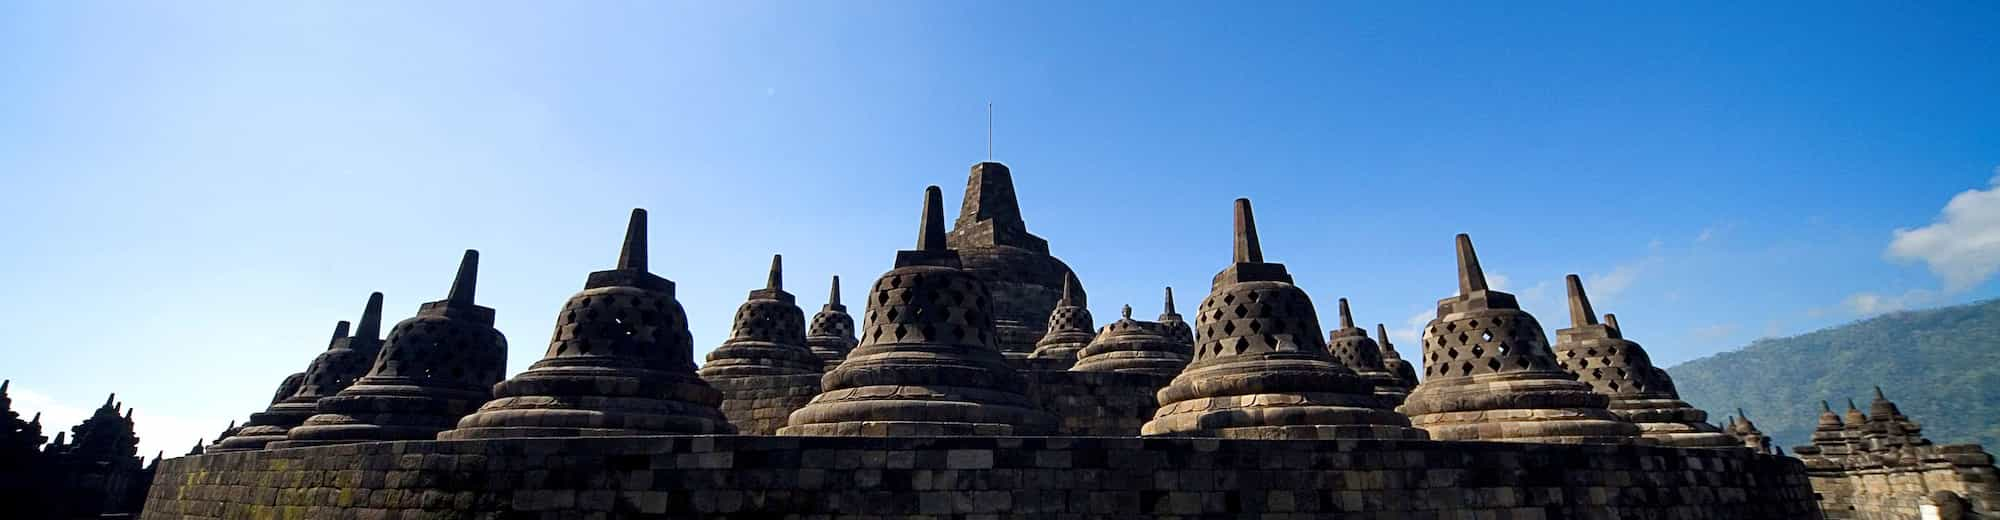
(1126, 312)
(370, 327)
(1745, 416)
(232, 424)
(833, 296)
(1346, 316)
(1382, 333)
(776, 279)
(1824, 407)
(1850, 405)
(1470, 277)
(1065, 293)
(466, 283)
(339, 331)
(632, 255)
(128, 413)
(1248, 250)
(1580, 313)
(1612, 320)
(1170, 299)
(930, 237)
(37, 419)
(1878, 393)
(109, 399)
(4, 385)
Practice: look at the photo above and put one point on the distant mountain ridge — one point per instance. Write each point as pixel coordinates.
(1942, 366)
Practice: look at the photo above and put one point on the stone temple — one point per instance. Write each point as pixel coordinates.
(976, 386)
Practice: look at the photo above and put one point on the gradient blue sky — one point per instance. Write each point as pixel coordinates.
(193, 193)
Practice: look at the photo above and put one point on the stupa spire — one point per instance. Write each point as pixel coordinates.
(339, 331)
(775, 280)
(1065, 293)
(833, 294)
(370, 328)
(1170, 298)
(1612, 321)
(1247, 250)
(466, 283)
(632, 255)
(1470, 277)
(930, 236)
(1346, 316)
(1580, 313)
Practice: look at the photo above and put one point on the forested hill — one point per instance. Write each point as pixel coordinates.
(1942, 366)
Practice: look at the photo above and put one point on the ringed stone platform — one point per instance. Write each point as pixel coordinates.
(715, 477)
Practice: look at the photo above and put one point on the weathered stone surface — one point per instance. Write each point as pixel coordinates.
(1044, 478)
(1176, 327)
(435, 367)
(927, 364)
(765, 370)
(1069, 331)
(1600, 355)
(1260, 369)
(994, 245)
(1351, 346)
(1114, 404)
(831, 334)
(1489, 374)
(621, 362)
(346, 359)
(1878, 466)
(1130, 345)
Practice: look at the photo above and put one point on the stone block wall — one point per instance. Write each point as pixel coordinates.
(977, 477)
(760, 405)
(1096, 403)
(1866, 488)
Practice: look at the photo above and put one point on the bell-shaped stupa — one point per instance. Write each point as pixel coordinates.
(831, 334)
(1829, 437)
(994, 244)
(1599, 354)
(765, 370)
(1261, 369)
(1749, 435)
(927, 364)
(1069, 331)
(1130, 345)
(435, 367)
(1393, 361)
(1489, 374)
(1351, 346)
(621, 362)
(346, 359)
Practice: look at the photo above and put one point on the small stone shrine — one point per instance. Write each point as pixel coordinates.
(1489, 374)
(1351, 346)
(1129, 345)
(831, 333)
(1599, 354)
(1069, 332)
(765, 370)
(621, 362)
(1260, 369)
(1393, 361)
(435, 368)
(927, 364)
(994, 244)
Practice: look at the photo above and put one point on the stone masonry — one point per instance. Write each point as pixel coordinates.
(1599, 354)
(765, 370)
(994, 244)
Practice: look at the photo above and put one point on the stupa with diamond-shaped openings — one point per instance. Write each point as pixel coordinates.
(1599, 355)
(765, 370)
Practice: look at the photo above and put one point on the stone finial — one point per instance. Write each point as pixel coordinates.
(776, 279)
(1491, 375)
(1261, 368)
(1346, 316)
(1248, 250)
(621, 362)
(1129, 346)
(930, 237)
(466, 284)
(1170, 300)
(4, 384)
(370, 327)
(1612, 321)
(1580, 313)
(632, 254)
(339, 333)
(1125, 312)
(927, 364)
(990, 215)
(1065, 292)
(1471, 278)
(833, 295)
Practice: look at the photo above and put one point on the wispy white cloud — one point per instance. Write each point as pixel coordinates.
(1610, 284)
(1868, 303)
(1714, 332)
(1962, 247)
(1498, 282)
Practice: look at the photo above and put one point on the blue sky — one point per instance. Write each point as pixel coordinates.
(193, 193)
